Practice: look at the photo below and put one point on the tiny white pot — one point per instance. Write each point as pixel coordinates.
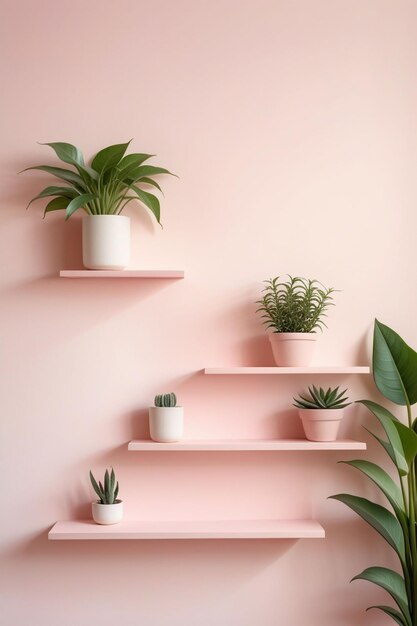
(293, 349)
(107, 513)
(166, 424)
(106, 242)
(321, 424)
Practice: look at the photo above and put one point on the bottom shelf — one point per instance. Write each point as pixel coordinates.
(215, 529)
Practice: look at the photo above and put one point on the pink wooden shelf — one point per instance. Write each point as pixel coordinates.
(216, 529)
(320, 369)
(238, 445)
(121, 274)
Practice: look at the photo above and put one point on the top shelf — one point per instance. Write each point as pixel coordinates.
(121, 273)
(322, 369)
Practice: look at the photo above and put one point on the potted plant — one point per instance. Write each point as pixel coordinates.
(108, 509)
(166, 419)
(102, 190)
(321, 412)
(395, 375)
(294, 311)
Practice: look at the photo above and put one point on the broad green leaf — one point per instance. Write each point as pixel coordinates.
(146, 171)
(56, 205)
(133, 160)
(109, 157)
(78, 203)
(396, 615)
(149, 181)
(66, 192)
(394, 366)
(377, 516)
(382, 480)
(67, 152)
(392, 582)
(385, 444)
(402, 439)
(59, 172)
(148, 200)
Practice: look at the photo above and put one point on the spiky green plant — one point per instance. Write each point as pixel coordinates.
(103, 188)
(322, 399)
(166, 400)
(108, 490)
(395, 375)
(297, 305)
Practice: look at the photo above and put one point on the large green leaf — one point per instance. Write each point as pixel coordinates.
(402, 439)
(149, 200)
(146, 171)
(66, 192)
(383, 480)
(377, 516)
(56, 205)
(385, 444)
(149, 181)
(67, 152)
(394, 366)
(391, 582)
(109, 157)
(388, 610)
(78, 203)
(59, 172)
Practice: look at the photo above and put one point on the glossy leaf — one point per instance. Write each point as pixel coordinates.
(146, 171)
(66, 192)
(78, 203)
(389, 610)
(109, 157)
(377, 516)
(149, 181)
(59, 172)
(56, 204)
(67, 152)
(392, 582)
(149, 200)
(383, 480)
(394, 366)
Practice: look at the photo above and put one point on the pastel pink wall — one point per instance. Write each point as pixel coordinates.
(292, 127)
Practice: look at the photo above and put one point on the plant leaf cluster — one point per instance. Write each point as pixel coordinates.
(296, 305)
(105, 187)
(395, 375)
(107, 490)
(322, 399)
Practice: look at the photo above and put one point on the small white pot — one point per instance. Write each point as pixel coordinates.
(293, 349)
(106, 242)
(107, 513)
(321, 424)
(166, 423)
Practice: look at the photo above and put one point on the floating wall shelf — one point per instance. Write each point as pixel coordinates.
(121, 274)
(244, 445)
(322, 369)
(216, 529)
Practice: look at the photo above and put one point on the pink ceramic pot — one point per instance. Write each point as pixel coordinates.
(321, 424)
(293, 349)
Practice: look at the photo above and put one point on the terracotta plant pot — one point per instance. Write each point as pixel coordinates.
(107, 513)
(321, 424)
(293, 349)
(166, 424)
(106, 242)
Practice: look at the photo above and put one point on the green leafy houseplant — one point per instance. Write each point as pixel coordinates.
(321, 399)
(395, 375)
(105, 187)
(297, 305)
(108, 490)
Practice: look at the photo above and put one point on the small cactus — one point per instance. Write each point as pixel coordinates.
(107, 493)
(166, 400)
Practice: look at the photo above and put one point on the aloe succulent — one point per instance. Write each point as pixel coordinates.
(108, 490)
(166, 400)
(103, 188)
(322, 399)
(297, 305)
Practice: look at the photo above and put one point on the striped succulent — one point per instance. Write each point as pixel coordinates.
(109, 491)
(166, 400)
(321, 399)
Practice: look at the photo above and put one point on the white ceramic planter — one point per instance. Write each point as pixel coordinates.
(293, 349)
(107, 513)
(166, 424)
(321, 424)
(106, 242)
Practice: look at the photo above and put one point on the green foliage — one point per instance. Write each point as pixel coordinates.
(297, 305)
(104, 188)
(107, 490)
(166, 400)
(322, 399)
(395, 375)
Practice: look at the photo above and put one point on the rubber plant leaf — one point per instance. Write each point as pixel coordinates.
(377, 516)
(394, 366)
(78, 203)
(393, 583)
